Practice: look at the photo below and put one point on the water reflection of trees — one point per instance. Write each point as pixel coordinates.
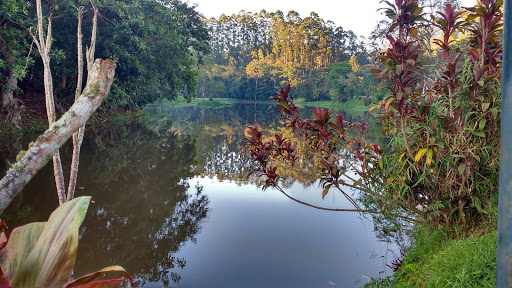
(218, 134)
(144, 209)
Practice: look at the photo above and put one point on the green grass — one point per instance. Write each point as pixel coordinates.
(352, 106)
(200, 102)
(214, 103)
(471, 262)
(438, 261)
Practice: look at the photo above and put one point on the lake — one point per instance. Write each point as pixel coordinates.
(172, 206)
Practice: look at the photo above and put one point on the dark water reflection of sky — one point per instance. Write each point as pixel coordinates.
(171, 207)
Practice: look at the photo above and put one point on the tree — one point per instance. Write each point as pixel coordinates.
(78, 136)
(14, 54)
(157, 45)
(354, 63)
(44, 43)
(257, 69)
(38, 154)
(292, 48)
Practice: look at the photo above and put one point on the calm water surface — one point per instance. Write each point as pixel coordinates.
(172, 206)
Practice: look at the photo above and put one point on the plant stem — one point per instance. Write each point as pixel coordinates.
(406, 141)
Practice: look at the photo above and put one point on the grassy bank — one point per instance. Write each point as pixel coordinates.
(198, 102)
(34, 116)
(34, 124)
(352, 106)
(437, 259)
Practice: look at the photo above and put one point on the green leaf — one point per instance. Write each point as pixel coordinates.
(481, 124)
(43, 254)
(479, 134)
(494, 112)
(470, 17)
(485, 106)
(284, 104)
(17, 248)
(461, 168)
(478, 205)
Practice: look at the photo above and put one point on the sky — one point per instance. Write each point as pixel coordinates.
(360, 16)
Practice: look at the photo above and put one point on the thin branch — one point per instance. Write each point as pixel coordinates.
(350, 210)
(28, 55)
(78, 135)
(49, 35)
(91, 49)
(41, 44)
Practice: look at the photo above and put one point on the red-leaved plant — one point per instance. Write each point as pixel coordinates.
(441, 165)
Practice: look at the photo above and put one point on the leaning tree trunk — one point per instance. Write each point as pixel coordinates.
(96, 90)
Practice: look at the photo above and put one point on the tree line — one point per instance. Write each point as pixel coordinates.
(252, 53)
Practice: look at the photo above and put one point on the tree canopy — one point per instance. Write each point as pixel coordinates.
(156, 45)
(252, 53)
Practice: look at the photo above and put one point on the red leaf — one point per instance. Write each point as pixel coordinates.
(287, 89)
(3, 238)
(89, 277)
(2, 225)
(473, 54)
(339, 120)
(113, 283)
(4, 283)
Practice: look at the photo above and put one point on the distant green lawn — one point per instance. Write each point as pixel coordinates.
(352, 106)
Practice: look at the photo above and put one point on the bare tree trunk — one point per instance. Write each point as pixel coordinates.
(202, 87)
(14, 112)
(9, 104)
(79, 135)
(97, 88)
(8, 92)
(44, 47)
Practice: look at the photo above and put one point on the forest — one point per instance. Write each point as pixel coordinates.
(428, 79)
(252, 53)
(150, 41)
